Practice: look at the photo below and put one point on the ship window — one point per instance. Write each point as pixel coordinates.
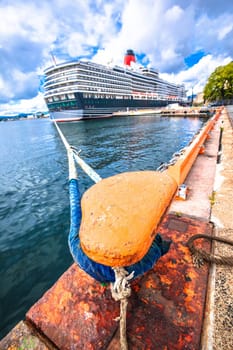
(56, 98)
(70, 96)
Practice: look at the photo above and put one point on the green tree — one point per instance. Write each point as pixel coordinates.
(220, 84)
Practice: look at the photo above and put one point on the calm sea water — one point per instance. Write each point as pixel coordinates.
(34, 201)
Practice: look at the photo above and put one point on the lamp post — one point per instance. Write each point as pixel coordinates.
(192, 97)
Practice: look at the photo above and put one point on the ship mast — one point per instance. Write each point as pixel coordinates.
(53, 58)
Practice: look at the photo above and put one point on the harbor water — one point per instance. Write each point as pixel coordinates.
(34, 201)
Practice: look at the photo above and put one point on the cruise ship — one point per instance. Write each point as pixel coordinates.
(85, 90)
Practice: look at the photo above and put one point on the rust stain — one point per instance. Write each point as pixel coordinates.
(165, 310)
(170, 298)
(76, 313)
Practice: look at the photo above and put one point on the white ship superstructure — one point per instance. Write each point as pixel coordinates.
(78, 90)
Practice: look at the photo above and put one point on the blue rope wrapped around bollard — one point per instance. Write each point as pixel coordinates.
(100, 272)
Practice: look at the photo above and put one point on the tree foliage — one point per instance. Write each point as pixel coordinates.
(219, 86)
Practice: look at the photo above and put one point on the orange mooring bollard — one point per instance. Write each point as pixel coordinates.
(121, 213)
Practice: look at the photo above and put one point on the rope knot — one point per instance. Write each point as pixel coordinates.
(121, 288)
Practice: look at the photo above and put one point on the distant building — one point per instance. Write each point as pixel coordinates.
(199, 98)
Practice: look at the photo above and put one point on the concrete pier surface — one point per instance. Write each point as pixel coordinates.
(220, 334)
(176, 305)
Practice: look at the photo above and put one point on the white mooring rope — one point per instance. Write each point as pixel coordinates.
(86, 168)
(121, 290)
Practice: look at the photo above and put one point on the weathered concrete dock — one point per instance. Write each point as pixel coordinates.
(175, 305)
(219, 322)
(165, 111)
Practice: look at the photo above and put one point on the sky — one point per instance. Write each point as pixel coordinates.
(184, 40)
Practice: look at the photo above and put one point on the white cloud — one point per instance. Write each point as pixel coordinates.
(174, 13)
(196, 77)
(164, 31)
(28, 19)
(213, 33)
(157, 29)
(32, 105)
(224, 31)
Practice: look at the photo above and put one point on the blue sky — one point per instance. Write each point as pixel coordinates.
(184, 40)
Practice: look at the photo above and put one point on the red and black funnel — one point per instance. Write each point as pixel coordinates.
(129, 57)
